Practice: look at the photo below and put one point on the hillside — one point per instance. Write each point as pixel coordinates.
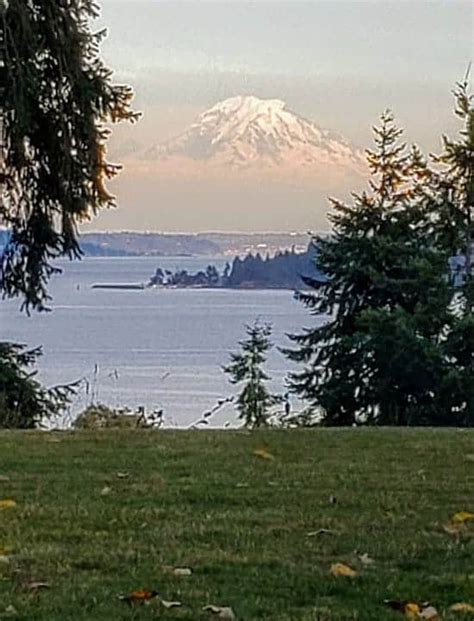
(198, 244)
(101, 514)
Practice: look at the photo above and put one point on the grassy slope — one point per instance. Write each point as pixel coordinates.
(203, 500)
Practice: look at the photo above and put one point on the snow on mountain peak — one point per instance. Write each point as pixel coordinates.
(245, 131)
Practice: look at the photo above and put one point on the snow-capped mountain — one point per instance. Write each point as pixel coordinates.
(246, 132)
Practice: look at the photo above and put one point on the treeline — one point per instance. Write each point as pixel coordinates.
(397, 343)
(285, 270)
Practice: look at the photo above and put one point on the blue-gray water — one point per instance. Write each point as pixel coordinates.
(157, 348)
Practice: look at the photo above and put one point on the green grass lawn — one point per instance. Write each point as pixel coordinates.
(203, 500)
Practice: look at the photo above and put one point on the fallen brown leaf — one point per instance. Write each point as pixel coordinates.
(7, 503)
(139, 597)
(182, 571)
(462, 516)
(262, 453)
(462, 607)
(339, 570)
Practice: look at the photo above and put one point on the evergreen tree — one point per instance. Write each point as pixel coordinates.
(376, 357)
(56, 96)
(24, 402)
(255, 400)
(454, 225)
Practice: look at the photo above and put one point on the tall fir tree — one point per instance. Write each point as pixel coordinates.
(56, 95)
(454, 224)
(255, 400)
(376, 358)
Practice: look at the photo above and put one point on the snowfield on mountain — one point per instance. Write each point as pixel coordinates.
(248, 132)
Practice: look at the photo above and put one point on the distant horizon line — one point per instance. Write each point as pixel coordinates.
(197, 233)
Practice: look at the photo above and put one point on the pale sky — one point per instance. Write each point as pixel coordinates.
(338, 63)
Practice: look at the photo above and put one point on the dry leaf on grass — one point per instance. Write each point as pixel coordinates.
(139, 596)
(339, 570)
(222, 612)
(182, 571)
(413, 610)
(38, 586)
(10, 611)
(170, 605)
(321, 531)
(430, 613)
(262, 453)
(462, 607)
(454, 529)
(7, 503)
(409, 609)
(462, 516)
(365, 559)
(123, 475)
(4, 478)
(4, 559)
(105, 491)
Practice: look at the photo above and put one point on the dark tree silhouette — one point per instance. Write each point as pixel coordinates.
(56, 96)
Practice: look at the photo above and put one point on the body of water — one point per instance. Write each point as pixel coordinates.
(158, 348)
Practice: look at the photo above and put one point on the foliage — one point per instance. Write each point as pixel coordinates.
(284, 270)
(100, 416)
(254, 401)
(380, 356)
(57, 94)
(24, 402)
(454, 217)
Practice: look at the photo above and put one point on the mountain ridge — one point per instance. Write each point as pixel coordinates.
(245, 131)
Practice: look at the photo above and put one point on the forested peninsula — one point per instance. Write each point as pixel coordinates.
(285, 270)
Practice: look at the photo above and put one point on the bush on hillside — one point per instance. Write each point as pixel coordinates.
(100, 416)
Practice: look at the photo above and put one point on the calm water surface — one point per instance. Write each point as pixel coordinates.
(156, 348)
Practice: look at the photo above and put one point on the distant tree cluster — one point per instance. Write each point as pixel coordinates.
(209, 277)
(285, 270)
